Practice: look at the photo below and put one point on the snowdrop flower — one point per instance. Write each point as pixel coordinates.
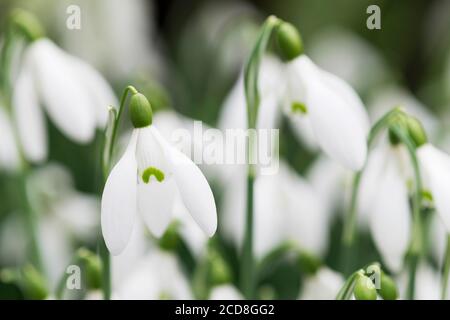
(323, 285)
(146, 180)
(156, 276)
(302, 220)
(384, 200)
(75, 97)
(336, 114)
(435, 165)
(9, 155)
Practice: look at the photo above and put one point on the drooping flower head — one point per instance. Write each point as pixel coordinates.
(147, 180)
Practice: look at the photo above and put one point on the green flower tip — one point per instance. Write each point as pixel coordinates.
(289, 41)
(140, 111)
(388, 289)
(152, 171)
(27, 23)
(416, 131)
(365, 289)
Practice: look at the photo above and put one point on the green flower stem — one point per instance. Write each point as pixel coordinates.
(251, 75)
(416, 247)
(30, 221)
(446, 269)
(248, 263)
(108, 151)
(346, 291)
(349, 228)
(29, 214)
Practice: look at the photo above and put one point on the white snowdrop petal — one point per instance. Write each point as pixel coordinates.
(269, 216)
(118, 207)
(194, 189)
(155, 204)
(324, 285)
(156, 186)
(99, 90)
(9, 155)
(339, 130)
(390, 220)
(62, 92)
(435, 165)
(29, 116)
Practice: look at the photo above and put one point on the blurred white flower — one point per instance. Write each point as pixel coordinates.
(122, 25)
(286, 208)
(337, 115)
(225, 292)
(383, 197)
(155, 276)
(323, 285)
(350, 57)
(435, 165)
(147, 178)
(427, 286)
(74, 95)
(9, 155)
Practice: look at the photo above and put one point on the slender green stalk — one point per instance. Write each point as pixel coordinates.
(30, 222)
(29, 214)
(108, 151)
(346, 291)
(251, 75)
(446, 270)
(416, 247)
(247, 271)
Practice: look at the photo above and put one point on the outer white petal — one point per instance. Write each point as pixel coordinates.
(324, 285)
(436, 170)
(101, 94)
(156, 276)
(155, 198)
(118, 208)
(339, 129)
(63, 93)
(29, 116)
(307, 221)
(9, 156)
(269, 215)
(390, 220)
(194, 189)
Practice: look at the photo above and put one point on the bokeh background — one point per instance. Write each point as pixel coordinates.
(187, 55)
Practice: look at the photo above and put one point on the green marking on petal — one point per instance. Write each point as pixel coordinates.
(152, 171)
(298, 107)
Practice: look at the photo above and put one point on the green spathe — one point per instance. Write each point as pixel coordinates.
(289, 41)
(140, 111)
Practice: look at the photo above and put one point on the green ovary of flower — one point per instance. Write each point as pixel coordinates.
(152, 171)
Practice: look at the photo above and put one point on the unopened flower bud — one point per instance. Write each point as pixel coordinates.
(365, 289)
(416, 131)
(140, 111)
(289, 41)
(388, 289)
